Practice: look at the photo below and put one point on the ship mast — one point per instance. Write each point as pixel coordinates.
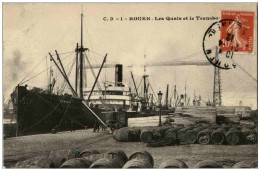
(77, 68)
(80, 50)
(166, 96)
(81, 62)
(145, 85)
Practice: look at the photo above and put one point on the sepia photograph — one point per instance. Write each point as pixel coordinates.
(130, 85)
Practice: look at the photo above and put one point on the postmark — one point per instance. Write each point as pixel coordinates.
(212, 46)
(227, 37)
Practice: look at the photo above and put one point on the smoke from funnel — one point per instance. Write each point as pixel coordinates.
(13, 68)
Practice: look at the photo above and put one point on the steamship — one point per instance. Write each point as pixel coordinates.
(36, 111)
(113, 95)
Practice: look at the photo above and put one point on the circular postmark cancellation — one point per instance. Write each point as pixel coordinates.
(222, 39)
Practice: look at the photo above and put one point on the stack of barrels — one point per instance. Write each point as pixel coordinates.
(201, 132)
(89, 159)
(114, 159)
(148, 134)
(218, 134)
(76, 159)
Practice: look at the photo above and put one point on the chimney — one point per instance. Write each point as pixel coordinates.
(119, 75)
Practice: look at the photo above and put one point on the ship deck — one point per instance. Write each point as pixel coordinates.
(20, 148)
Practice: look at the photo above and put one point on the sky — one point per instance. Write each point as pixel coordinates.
(31, 31)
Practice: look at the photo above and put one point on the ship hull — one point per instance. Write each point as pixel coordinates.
(38, 112)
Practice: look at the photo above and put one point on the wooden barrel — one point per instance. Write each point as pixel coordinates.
(191, 135)
(204, 136)
(86, 153)
(146, 136)
(250, 136)
(109, 161)
(181, 133)
(127, 134)
(173, 164)
(157, 133)
(208, 164)
(218, 136)
(76, 163)
(60, 156)
(244, 164)
(162, 130)
(153, 133)
(36, 162)
(171, 134)
(121, 154)
(233, 136)
(121, 135)
(138, 163)
(143, 155)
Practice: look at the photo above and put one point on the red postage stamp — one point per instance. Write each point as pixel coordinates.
(237, 33)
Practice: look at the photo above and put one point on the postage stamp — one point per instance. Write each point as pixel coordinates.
(237, 35)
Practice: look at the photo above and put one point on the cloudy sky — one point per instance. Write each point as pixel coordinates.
(30, 31)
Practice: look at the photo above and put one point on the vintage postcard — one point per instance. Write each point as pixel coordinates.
(130, 85)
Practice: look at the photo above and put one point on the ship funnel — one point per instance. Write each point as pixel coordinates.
(119, 75)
